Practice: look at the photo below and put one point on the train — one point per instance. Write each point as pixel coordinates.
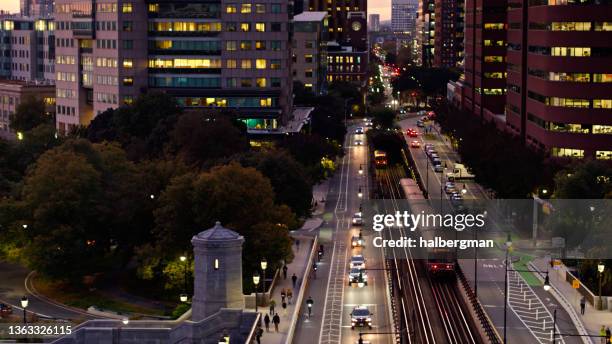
(380, 158)
(411, 189)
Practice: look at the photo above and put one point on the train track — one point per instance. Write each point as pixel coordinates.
(414, 285)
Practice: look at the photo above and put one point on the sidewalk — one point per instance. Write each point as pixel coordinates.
(592, 318)
(298, 266)
(319, 197)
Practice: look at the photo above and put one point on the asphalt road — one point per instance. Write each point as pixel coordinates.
(333, 298)
(490, 271)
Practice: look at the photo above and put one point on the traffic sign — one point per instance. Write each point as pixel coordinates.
(576, 284)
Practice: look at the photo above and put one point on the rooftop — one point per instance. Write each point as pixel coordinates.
(310, 16)
(218, 232)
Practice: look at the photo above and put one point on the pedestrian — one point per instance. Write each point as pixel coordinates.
(297, 244)
(582, 305)
(608, 334)
(267, 322)
(602, 334)
(294, 279)
(284, 304)
(272, 304)
(285, 272)
(283, 295)
(276, 321)
(289, 295)
(259, 334)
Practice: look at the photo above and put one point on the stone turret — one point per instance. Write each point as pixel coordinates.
(218, 271)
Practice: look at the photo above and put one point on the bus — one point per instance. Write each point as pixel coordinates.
(380, 158)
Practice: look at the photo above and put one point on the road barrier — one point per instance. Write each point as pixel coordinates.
(300, 296)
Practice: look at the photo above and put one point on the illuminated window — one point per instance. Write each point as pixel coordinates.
(494, 26)
(260, 45)
(308, 58)
(260, 82)
(567, 152)
(216, 264)
(603, 155)
(602, 103)
(245, 45)
(275, 64)
(128, 63)
(602, 77)
(245, 27)
(567, 102)
(308, 87)
(260, 63)
(128, 81)
(232, 63)
(246, 82)
(245, 64)
(602, 129)
(265, 102)
(126, 7)
(128, 100)
(154, 8)
(230, 9)
(603, 26)
(570, 51)
(260, 8)
(245, 8)
(570, 26)
(494, 59)
(260, 27)
(230, 45)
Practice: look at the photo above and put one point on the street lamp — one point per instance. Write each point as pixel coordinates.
(24, 305)
(441, 186)
(125, 321)
(359, 193)
(600, 268)
(360, 282)
(225, 338)
(360, 169)
(264, 266)
(476, 257)
(24, 226)
(256, 282)
(184, 260)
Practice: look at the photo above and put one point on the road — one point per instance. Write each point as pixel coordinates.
(333, 298)
(526, 328)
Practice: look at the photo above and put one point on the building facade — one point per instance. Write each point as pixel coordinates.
(374, 23)
(560, 76)
(448, 36)
(485, 57)
(339, 11)
(36, 8)
(404, 16)
(27, 49)
(310, 50)
(13, 92)
(230, 54)
(424, 33)
(349, 62)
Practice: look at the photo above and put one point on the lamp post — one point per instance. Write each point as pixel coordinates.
(225, 338)
(256, 282)
(24, 305)
(360, 169)
(184, 260)
(359, 193)
(476, 258)
(264, 266)
(600, 267)
(441, 186)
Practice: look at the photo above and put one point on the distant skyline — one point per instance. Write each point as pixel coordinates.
(382, 7)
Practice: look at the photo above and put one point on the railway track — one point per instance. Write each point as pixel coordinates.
(447, 321)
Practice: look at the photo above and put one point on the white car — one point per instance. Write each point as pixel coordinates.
(357, 241)
(359, 130)
(357, 219)
(356, 276)
(358, 262)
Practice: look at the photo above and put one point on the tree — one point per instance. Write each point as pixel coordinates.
(310, 150)
(301, 95)
(29, 114)
(345, 90)
(383, 118)
(289, 180)
(586, 180)
(200, 139)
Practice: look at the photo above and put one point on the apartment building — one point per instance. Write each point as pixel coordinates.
(560, 76)
(374, 23)
(449, 30)
(310, 50)
(425, 33)
(404, 16)
(224, 53)
(13, 92)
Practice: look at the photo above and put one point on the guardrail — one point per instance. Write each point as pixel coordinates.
(300, 295)
(486, 323)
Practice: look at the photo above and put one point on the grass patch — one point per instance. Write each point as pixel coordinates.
(523, 264)
(82, 298)
(430, 137)
(328, 216)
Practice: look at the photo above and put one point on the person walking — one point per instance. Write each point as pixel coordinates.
(283, 295)
(294, 280)
(289, 295)
(284, 305)
(602, 334)
(272, 304)
(276, 321)
(297, 244)
(267, 322)
(608, 334)
(582, 305)
(285, 271)
(259, 334)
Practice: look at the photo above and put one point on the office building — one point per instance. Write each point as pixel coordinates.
(310, 50)
(560, 76)
(374, 23)
(13, 92)
(339, 11)
(425, 33)
(37, 8)
(485, 57)
(349, 62)
(206, 55)
(404, 16)
(448, 33)
(27, 49)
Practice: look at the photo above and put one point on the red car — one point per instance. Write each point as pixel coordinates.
(412, 133)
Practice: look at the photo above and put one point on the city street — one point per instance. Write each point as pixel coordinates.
(333, 298)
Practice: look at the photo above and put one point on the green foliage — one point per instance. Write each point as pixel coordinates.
(587, 180)
(180, 309)
(174, 273)
(389, 141)
(30, 113)
(309, 150)
(383, 118)
(431, 81)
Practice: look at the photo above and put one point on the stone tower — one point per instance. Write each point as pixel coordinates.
(218, 271)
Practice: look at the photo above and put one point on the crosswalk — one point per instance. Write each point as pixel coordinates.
(528, 307)
(331, 326)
